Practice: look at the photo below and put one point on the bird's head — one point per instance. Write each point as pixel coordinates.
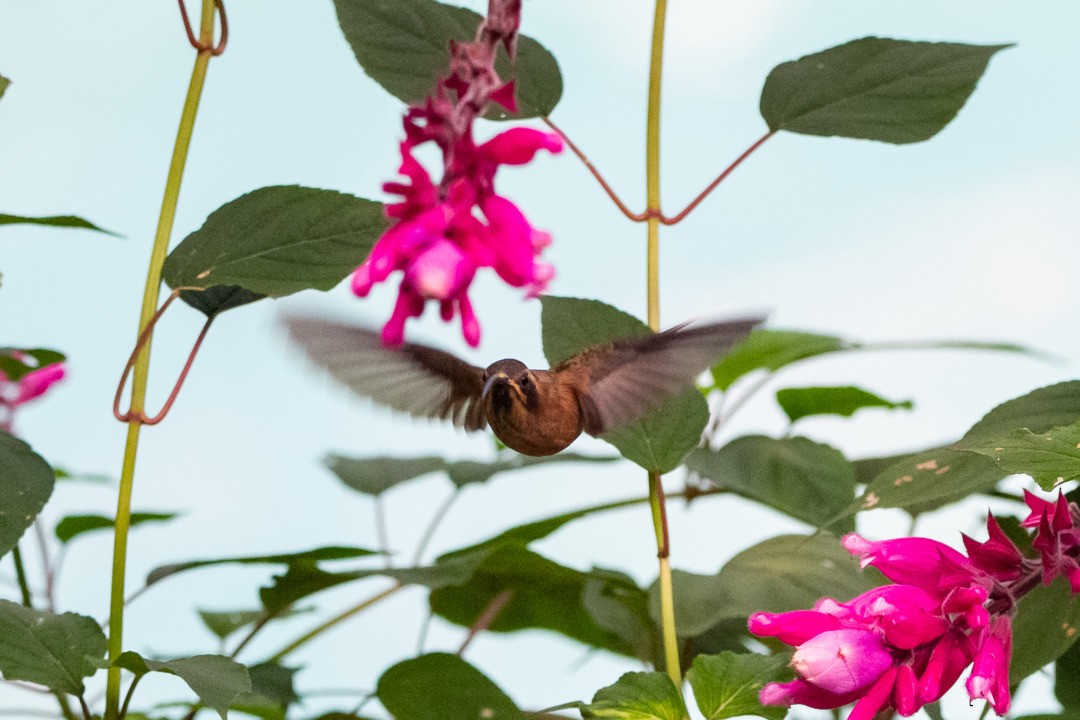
(509, 383)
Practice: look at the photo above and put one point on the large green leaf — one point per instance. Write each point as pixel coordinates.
(26, 482)
(218, 681)
(439, 686)
(771, 350)
(374, 476)
(535, 592)
(56, 651)
(215, 300)
(1066, 688)
(895, 91)
(405, 47)
(306, 557)
(276, 241)
(616, 604)
(637, 696)
(798, 403)
(1044, 628)
(1050, 458)
(658, 441)
(61, 221)
(75, 525)
(937, 477)
(727, 685)
(806, 480)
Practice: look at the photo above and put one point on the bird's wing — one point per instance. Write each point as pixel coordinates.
(630, 377)
(416, 379)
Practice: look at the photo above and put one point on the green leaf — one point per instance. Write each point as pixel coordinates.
(894, 91)
(727, 685)
(374, 476)
(616, 604)
(61, 221)
(224, 623)
(4, 82)
(806, 480)
(637, 696)
(217, 299)
(439, 686)
(56, 651)
(798, 403)
(771, 350)
(272, 691)
(15, 368)
(1044, 628)
(275, 241)
(535, 592)
(75, 525)
(1066, 689)
(405, 47)
(1050, 458)
(217, 681)
(937, 477)
(26, 482)
(297, 558)
(658, 441)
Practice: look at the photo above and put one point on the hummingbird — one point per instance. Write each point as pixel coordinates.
(535, 412)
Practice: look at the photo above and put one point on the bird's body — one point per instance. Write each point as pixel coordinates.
(536, 412)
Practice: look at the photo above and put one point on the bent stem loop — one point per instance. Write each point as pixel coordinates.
(133, 415)
(142, 363)
(200, 44)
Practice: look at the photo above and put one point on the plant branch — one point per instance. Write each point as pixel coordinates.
(483, 622)
(720, 178)
(20, 573)
(142, 364)
(436, 520)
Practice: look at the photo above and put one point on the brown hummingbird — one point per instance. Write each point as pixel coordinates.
(536, 412)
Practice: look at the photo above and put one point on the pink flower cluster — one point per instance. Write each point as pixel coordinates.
(442, 234)
(903, 645)
(14, 393)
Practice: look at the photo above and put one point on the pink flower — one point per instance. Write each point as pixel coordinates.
(1057, 538)
(989, 678)
(443, 233)
(33, 384)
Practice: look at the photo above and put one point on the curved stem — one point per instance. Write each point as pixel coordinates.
(436, 520)
(142, 365)
(720, 178)
(656, 490)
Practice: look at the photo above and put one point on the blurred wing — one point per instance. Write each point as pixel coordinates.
(631, 377)
(416, 379)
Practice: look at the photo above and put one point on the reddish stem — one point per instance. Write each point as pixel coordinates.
(720, 178)
(214, 50)
(487, 617)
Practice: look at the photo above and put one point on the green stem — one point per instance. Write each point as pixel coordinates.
(142, 365)
(20, 575)
(656, 490)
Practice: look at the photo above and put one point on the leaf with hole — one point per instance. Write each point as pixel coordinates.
(894, 91)
(727, 685)
(845, 401)
(405, 47)
(57, 651)
(440, 686)
(275, 241)
(806, 480)
(26, 482)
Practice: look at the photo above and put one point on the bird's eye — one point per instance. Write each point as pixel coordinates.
(524, 381)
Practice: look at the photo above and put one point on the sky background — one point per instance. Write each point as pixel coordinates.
(971, 235)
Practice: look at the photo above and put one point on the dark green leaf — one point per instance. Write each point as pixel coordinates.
(866, 469)
(271, 690)
(15, 368)
(660, 440)
(1066, 687)
(637, 696)
(74, 525)
(534, 592)
(727, 685)
(4, 82)
(1044, 628)
(1050, 458)
(56, 651)
(1038, 411)
(440, 686)
(63, 221)
(771, 350)
(276, 241)
(225, 623)
(297, 558)
(219, 298)
(806, 480)
(615, 603)
(798, 403)
(405, 47)
(895, 91)
(218, 681)
(26, 482)
(373, 476)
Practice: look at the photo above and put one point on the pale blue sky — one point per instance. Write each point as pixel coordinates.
(972, 234)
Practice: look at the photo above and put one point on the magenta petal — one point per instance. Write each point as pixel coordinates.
(800, 692)
(998, 556)
(947, 661)
(34, 383)
(470, 326)
(510, 240)
(921, 562)
(793, 628)
(908, 616)
(842, 661)
(409, 304)
(518, 146)
(905, 697)
(876, 698)
(440, 271)
(989, 678)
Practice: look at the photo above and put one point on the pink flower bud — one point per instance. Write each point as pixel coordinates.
(989, 678)
(842, 661)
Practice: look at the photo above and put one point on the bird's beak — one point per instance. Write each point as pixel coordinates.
(491, 382)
